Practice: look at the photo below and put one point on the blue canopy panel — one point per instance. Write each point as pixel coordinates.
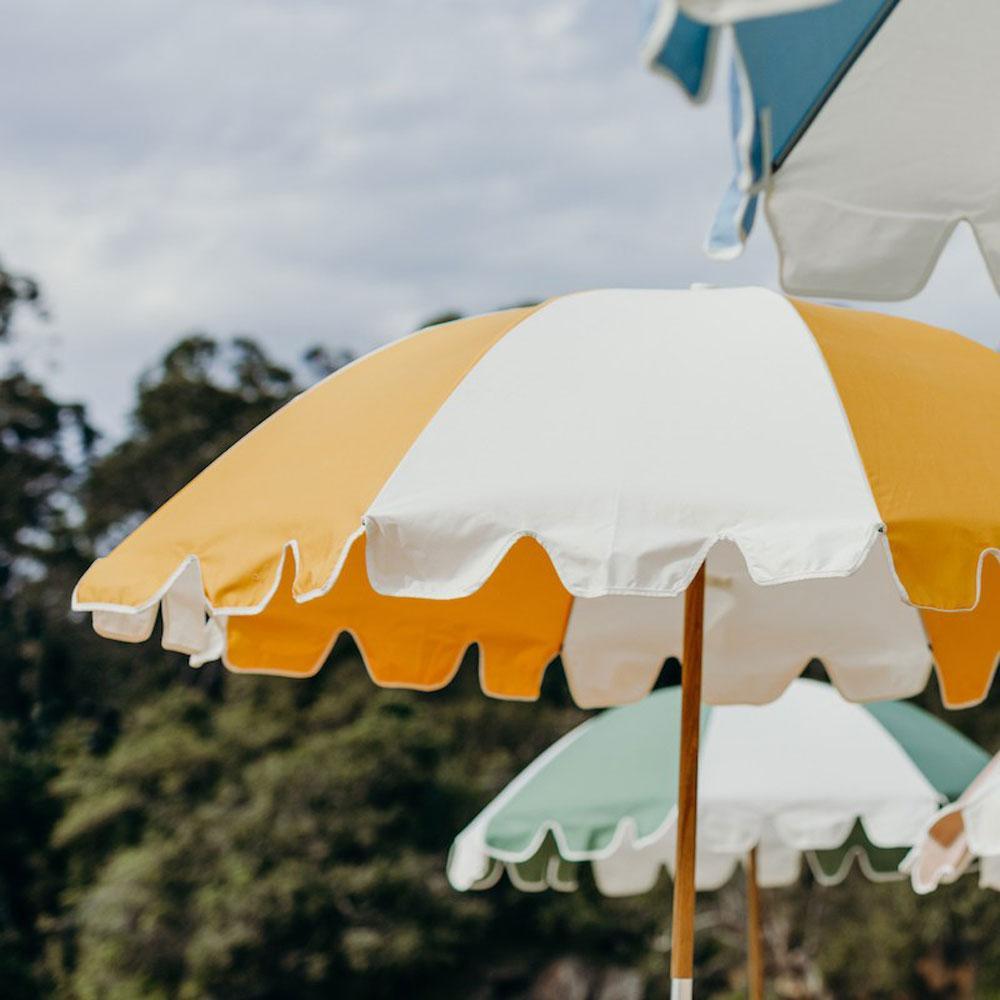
(784, 69)
(684, 52)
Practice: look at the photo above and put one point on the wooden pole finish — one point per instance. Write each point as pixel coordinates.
(755, 933)
(682, 945)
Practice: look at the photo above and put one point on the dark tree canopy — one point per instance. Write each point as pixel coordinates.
(16, 292)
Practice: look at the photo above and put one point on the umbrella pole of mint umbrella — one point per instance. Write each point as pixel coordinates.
(755, 933)
(682, 931)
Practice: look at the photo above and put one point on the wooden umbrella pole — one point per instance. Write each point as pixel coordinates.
(682, 945)
(755, 935)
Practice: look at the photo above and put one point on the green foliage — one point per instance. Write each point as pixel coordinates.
(27, 815)
(16, 292)
(271, 844)
(170, 833)
(38, 440)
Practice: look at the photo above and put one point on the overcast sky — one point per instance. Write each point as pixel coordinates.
(336, 171)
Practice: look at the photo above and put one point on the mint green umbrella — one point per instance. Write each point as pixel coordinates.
(810, 775)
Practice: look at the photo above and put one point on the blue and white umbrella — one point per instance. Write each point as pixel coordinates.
(867, 128)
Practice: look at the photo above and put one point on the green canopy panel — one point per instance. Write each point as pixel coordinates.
(548, 870)
(809, 773)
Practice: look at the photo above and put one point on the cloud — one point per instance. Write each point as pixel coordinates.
(336, 171)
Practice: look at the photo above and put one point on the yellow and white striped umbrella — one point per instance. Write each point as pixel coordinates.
(547, 481)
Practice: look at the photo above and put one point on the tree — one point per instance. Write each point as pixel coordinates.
(41, 442)
(17, 291)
